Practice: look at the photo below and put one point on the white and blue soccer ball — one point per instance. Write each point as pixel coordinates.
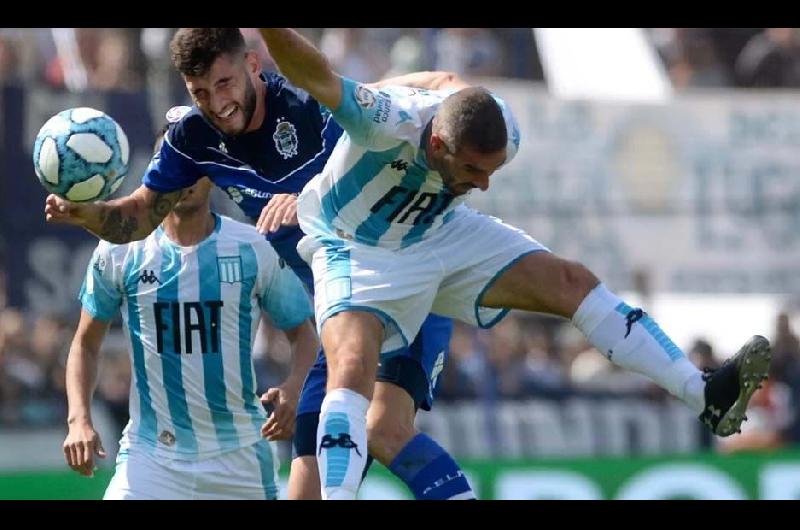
(81, 154)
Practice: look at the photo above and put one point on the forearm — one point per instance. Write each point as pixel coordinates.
(303, 65)
(431, 80)
(305, 346)
(81, 377)
(130, 218)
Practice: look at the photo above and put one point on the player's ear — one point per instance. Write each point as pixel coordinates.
(252, 63)
(437, 144)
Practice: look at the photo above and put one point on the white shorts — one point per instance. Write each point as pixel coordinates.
(445, 274)
(250, 473)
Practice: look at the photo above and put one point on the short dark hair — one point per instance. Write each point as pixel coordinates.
(472, 117)
(194, 50)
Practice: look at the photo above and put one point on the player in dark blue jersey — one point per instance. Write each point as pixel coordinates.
(261, 140)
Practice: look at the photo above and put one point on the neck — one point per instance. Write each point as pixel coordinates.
(261, 107)
(189, 228)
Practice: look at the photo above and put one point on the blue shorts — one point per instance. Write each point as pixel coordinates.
(415, 369)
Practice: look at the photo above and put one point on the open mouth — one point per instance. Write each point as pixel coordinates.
(228, 113)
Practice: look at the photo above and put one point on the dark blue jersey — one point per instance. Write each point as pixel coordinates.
(291, 146)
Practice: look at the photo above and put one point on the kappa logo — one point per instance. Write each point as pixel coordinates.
(148, 277)
(343, 440)
(285, 138)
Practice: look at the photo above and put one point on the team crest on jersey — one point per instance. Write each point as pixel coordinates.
(234, 194)
(285, 137)
(230, 269)
(365, 97)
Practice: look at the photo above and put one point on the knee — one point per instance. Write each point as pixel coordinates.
(575, 282)
(351, 366)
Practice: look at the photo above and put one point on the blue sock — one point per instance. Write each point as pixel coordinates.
(429, 471)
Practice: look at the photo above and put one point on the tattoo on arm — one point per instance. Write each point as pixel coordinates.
(162, 205)
(123, 228)
(118, 229)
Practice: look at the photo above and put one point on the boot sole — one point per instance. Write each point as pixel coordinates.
(753, 363)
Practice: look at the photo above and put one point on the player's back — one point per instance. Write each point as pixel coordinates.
(191, 314)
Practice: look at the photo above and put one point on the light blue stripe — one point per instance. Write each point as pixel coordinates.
(338, 458)
(266, 464)
(171, 362)
(655, 331)
(418, 231)
(147, 419)
(376, 224)
(353, 182)
(249, 263)
(213, 369)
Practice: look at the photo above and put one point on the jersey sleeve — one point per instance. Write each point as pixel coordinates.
(170, 169)
(101, 294)
(380, 119)
(282, 295)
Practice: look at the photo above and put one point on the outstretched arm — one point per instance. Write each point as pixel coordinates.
(303, 65)
(119, 221)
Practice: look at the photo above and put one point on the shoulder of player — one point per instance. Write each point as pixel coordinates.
(118, 254)
(243, 232)
(192, 132)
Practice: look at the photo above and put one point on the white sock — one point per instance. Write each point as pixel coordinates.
(634, 341)
(342, 443)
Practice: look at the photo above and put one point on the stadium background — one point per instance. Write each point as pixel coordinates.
(689, 204)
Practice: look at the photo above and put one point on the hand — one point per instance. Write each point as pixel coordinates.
(280, 424)
(60, 210)
(80, 446)
(281, 210)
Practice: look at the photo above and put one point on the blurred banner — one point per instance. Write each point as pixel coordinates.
(700, 195)
(703, 476)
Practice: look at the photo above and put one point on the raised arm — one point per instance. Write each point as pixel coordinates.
(82, 441)
(119, 221)
(303, 65)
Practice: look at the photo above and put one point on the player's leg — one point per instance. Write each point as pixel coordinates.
(520, 274)
(352, 342)
(406, 382)
(630, 338)
(304, 473)
(368, 302)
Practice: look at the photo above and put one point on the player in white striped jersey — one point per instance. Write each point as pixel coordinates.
(389, 240)
(191, 295)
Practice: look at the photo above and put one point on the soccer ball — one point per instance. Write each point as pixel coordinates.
(81, 154)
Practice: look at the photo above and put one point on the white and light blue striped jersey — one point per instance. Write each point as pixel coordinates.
(190, 315)
(377, 187)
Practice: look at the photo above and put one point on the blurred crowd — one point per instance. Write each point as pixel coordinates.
(80, 59)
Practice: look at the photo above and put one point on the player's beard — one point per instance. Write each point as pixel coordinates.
(249, 107)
